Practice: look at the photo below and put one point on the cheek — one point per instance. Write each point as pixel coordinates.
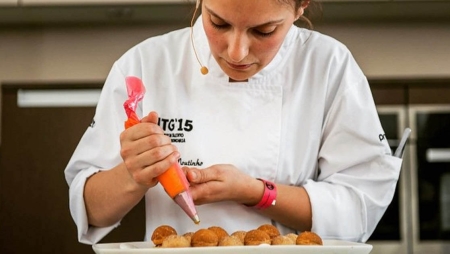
(267, 49)
(213, 39)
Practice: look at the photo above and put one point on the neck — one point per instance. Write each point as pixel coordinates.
(233, 81)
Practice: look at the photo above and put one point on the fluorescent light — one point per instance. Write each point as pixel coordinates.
(57, 97)
(438, 155)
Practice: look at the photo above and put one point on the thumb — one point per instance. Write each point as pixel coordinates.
(152, 117)
(195, 175)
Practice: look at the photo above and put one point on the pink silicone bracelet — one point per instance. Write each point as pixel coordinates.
(269, 196)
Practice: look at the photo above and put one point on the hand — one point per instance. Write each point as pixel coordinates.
(223, 182)
(146, 151)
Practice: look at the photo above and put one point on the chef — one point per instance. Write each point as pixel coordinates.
(282, 129)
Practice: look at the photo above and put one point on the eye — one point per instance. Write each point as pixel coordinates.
(264, 32)
(219, 26)
(218, 23)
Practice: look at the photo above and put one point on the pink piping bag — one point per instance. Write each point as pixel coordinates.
(136, 91)
(173, 179)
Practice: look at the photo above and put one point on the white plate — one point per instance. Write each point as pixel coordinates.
(329, 246)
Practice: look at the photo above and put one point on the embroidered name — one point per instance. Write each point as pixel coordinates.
(196, 163)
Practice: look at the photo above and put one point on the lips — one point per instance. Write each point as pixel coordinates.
(239, 66)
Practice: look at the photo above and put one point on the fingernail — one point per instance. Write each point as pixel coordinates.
(193, 175)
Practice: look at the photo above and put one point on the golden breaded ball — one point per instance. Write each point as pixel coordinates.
(161, 232)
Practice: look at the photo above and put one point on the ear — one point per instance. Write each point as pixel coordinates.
(304, 4)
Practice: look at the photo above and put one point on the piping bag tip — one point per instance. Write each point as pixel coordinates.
(196, 219)
(184, 200)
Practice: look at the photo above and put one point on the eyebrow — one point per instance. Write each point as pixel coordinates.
(272, 22)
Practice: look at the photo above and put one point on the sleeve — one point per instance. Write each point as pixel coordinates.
(357, 174)
(97, 150)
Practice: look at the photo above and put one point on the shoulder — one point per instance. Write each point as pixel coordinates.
(324, 51)
(318, 43)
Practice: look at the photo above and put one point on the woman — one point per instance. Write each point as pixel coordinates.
(280, 104)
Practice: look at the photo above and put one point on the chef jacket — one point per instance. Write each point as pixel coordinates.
(307, 119)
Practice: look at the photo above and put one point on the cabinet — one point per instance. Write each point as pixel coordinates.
(100, 12)
(9, 2)
(95, 2)
(36, 144)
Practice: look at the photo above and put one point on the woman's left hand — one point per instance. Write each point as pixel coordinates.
(223, 182)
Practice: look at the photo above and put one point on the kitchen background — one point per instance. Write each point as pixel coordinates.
(402, 46)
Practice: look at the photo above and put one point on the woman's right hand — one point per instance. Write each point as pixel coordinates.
(146, 151)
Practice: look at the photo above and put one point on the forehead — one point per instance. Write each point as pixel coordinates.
(249, 11)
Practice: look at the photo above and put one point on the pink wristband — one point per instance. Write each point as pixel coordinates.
(269, 196)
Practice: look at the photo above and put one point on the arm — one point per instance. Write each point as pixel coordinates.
(147, 153)
(110, 195)
(225, 182)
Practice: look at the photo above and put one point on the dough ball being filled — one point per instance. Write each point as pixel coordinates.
(204, 238)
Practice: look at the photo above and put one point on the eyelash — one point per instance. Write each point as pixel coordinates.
(258, 33)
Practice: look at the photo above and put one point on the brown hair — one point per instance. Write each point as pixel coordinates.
(312, 13)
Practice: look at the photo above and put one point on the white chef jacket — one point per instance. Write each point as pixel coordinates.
(307, 119)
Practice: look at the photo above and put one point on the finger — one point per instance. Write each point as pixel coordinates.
(147, 176)
(139, 131)
(191, 173)
(152, 117)
(132, 148)
(198, 176)
(157, 154)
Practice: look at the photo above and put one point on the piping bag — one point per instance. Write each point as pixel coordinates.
(173, 179)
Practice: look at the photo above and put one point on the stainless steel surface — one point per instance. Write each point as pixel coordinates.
(418, 245)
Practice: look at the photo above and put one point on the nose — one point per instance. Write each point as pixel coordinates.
(238, 46)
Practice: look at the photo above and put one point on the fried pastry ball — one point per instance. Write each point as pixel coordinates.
(256, 237)
(231, 240)
(282, 240)
(204, 238)
(270, 229)
(221, 233)
(240, 234)
(188, 236)
(308, 238)
(161, 233)
(175, 241)
(292, 236)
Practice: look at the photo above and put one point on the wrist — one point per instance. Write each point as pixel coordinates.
(268, 197)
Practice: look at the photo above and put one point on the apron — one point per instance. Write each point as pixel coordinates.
(223, 123)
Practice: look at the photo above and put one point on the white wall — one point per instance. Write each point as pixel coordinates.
(397, 49)
(66, 53)
(86, 54)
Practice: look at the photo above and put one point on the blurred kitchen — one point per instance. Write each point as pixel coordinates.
(69, 46)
